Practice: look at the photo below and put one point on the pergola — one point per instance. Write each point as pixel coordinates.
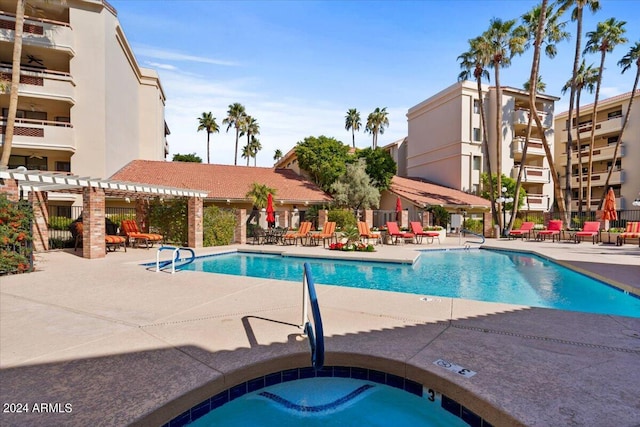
(37, 184)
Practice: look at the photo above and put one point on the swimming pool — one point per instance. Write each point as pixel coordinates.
(483, 275)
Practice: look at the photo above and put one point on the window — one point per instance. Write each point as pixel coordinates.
(476, 134)
(26, 114)
(612, 139)
(475, 189)
(30, 162)
(477, 163)
(476, 106)
(63, 166)
(614, 114)
(618, 165)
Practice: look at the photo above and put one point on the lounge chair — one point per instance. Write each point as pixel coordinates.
(416, 228)
(292, 237)
(554, 229)
(525, 230)
(395, 233)
(328, 233)
(131, 230)
(631, 232)
(590, 229)
(366, 234)
(112, 242)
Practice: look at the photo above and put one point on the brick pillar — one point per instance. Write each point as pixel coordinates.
(39, 227)
(195, 222)
(323, 217)
(283, 219)
(240, 232)
(10, 188)
(404, 218)
(142, 214)
(368, 217)
(93, 219)
(426, 219)
(487, 230)
(546, 217)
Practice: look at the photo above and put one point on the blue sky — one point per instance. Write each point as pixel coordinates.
(298, 66)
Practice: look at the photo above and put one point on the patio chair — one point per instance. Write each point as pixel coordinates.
(395, 233)
(525, 230)
(590, 229)
(328, 233)
(366, 234)
(259, 236)
(631, 232)
(416, 228)
(553, 230)
(292, 237)
(112, 242)
(131, 230)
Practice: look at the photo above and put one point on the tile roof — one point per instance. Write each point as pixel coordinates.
(422, 192)
(222, 181)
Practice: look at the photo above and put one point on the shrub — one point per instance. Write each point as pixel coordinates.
(59, 222)
(58, 243)
(473, 225)
(218, 226)
(15, 236)
(170, 218)
(440, 215)
(343, 218)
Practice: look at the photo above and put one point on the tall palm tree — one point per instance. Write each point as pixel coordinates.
(352, 122)
(246, 152)
(258, 193)
(502, 41)
(541, 86)
(208, 122)
(632, 57)
(585, 79)
(277, 155)
(15, 83)
(255, 146)
(605, 38)
(235, 116)
(576, 15)
(473, 64)
(249, 126)
(376, 122)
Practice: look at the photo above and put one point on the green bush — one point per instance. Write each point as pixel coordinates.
(219, 226)
(118, 218)
(343, 218)
(59, 222)
(57, 243)
(440, 215)
(170, 218)
(15, 235)
(473, 225)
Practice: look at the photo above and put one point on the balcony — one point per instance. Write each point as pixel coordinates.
(598, 178)
(38, 32)
(595, 204)
(521, 117)
(532, 174)
(43, 83)
(537, 202)
(41, 134)
(600, 154)
(535, 147)
(604, 127)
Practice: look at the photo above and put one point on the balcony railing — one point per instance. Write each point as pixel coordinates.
(43, 83)
(537, 202)
(41, 134)
(598, 178)
(535, 147)
(604, 127)
(532, 174)
(521, 117)
(38, 32)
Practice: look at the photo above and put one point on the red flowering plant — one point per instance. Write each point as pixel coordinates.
(15, 236)
(353, 243)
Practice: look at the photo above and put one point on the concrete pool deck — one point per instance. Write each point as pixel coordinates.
(107, 342)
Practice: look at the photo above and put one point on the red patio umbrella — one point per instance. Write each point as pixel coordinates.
(271, 218)
(609, 212)
(398, 209)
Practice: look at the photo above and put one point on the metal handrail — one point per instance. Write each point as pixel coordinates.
(464, 230)
(175, 257)
(316, 337)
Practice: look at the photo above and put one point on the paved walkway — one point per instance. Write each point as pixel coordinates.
(106, 342)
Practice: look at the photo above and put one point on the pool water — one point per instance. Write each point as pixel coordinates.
(326, 402)
(483, 275)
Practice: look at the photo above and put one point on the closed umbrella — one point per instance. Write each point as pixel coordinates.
(609, 211)
(271, 218)
(398, 209)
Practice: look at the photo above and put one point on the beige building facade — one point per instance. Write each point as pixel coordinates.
(85, 105)
(625, 178)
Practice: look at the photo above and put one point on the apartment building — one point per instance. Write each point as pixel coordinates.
(445, 140)
(85, 105)
(625, 178)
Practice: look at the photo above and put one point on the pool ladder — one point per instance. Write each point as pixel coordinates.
(467, 243)
(175, 257)
(314, 332)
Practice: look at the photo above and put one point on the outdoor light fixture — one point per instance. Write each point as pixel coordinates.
(636, 202)
(503, 200)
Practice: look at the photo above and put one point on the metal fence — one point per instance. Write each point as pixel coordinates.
(577, 219)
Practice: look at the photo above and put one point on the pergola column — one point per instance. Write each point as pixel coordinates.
(195, 222)
(93, 221)
(487, 220)
(240, 232)
(10, 188)
(39, 226)
(323, 217)
(368, 217)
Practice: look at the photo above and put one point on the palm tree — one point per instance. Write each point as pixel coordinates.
(352, 122)
(632, 57)
(208, 122)
(258, 193)
(255, 146)
(585, 79)
(235, 116)
(605, 38)
(576, 15)
(540, 85)
(277, 155)
(15, 83)
(501, 42)
(249, 126)
(376, 122)
(246, 152)
(473, 64)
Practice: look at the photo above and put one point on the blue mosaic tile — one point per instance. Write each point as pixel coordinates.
(486, 423)
(290, 375)
(307, 373)
(377, 376)
(237, 391)
(471, 417)
(360, 373)
(181, 420)
(413, 387)
(325, 372)
(219, 399)
(255, 384)
(273, 379)
(451, 406)
(341, 372)
(200, 410)
(395, 381)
